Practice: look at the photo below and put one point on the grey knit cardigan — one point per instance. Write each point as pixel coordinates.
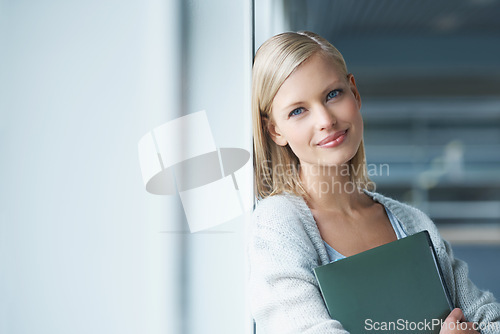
(284, 246)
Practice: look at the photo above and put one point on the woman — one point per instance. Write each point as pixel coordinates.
(317, 203)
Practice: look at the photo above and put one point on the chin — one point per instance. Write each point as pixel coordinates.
(339, 162)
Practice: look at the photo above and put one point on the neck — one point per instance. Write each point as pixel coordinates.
(331, 188)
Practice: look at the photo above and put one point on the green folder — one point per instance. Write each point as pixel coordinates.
(394, 288)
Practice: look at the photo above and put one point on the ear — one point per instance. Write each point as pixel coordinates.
(354, 88)
(274, 131)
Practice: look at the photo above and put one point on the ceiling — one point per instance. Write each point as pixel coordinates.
(410, 47)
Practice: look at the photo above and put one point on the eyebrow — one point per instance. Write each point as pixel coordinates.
(292, 105)
(325, 91)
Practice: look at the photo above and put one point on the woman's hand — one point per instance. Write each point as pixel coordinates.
(455, 323)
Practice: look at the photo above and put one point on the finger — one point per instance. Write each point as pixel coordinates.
(455, 315)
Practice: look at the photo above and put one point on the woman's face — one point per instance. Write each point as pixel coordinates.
(316, 112)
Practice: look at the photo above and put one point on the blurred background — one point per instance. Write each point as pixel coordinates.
(429, 77)
(84, 248)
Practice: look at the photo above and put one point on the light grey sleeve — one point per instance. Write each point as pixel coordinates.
(284, 295)
(477, 305)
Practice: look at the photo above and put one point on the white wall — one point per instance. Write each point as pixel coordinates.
(82, 244)
(270, 19)
(218, 81)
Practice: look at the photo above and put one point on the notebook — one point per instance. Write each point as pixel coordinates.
(394, 288)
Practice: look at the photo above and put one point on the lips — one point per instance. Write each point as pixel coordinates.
(332, 138)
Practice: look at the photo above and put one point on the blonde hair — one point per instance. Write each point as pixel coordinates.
(275, 60)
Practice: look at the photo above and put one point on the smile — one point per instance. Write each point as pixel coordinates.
(333, 140)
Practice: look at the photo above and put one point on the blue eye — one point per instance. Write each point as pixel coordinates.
(296, 112)
(334, 93)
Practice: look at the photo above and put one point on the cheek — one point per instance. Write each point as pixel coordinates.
(360, 121)
(298, 139)
(355, 115)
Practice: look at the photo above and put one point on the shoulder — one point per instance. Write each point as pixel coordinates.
(278, 210)
(402, 211)
(413, 219)
(284, 216)
(277, 206)
(388, 201)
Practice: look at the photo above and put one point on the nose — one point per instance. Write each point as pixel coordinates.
(325, 118)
